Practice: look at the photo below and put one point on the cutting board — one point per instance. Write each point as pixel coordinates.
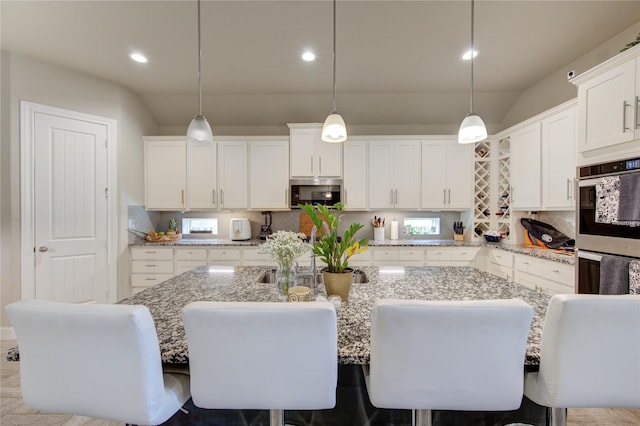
(306, 225)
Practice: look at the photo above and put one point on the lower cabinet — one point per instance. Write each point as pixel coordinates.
(543, 275)
(452, 256)
(189, 258)
(225, 256)
(500, 263)
(150, 266)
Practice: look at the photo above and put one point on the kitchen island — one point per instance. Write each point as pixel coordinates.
(240, 283)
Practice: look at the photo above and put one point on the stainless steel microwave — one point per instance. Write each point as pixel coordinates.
(315, 191)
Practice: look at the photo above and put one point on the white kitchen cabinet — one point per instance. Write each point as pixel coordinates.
(150, 266)
(233, 174)
(269, 174)
(608, 119)
(394, 178)
(526, 174)
(447, 175)
(165, 173)
(558, 161)
(310, 156)
(607, 106)
(355, 175)
(500, 263)
(187, 258)
(543, 275)
(253, 256)
(202, 168)
(225, 256)
(451, 256)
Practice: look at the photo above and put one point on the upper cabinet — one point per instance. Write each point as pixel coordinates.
(608, 109)
(447, 174)
(233, 174)
(165, 170)
(394, 174)
(269, 174)
(558, 160)
(202, 184)
(310, 156)
(355, 175)
(525, 167)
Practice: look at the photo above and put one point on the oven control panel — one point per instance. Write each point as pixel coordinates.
(615, 167)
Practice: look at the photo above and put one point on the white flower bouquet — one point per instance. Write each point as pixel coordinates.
(285, 247)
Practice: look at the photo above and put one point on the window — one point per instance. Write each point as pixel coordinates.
(422, 226)
(199, 226)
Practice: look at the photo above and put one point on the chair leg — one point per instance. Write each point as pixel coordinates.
(421, 418)
(558, 416)
(276, 417)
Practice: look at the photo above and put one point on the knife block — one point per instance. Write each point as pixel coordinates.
(458, 237)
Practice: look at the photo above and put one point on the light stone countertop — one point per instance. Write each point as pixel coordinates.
(548, 254)
(240, 283)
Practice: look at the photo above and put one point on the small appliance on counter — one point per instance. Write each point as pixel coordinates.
(240, 229)
(265, 229)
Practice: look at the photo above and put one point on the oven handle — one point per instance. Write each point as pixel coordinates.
(590, 256)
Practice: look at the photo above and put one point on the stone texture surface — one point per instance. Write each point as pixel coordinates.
(240, 283)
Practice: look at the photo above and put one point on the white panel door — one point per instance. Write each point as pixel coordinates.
(434, 175)
(202, 172)
(559, 161)
(70, 204)
(269, 182)
(526, 174)
(407, 174)
(355, 175)
(233, 165)
(381, 187)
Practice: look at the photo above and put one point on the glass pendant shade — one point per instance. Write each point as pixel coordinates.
(472, 129)
(334, 130)
(199, 130)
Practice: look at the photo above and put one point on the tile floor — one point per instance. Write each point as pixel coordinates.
(14, 412)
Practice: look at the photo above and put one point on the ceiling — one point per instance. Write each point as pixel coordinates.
(398, 62)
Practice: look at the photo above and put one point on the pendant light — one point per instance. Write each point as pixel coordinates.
(199, 130)
(472, 128)
(334, 129)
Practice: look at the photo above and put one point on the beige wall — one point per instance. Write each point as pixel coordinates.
(24, 78)
(556, 89)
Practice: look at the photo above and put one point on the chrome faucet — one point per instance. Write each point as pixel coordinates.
(312, 241)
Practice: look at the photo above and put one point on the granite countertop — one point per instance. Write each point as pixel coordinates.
(548, 254)
(240, 283)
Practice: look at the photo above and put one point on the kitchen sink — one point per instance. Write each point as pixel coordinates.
(305, 278)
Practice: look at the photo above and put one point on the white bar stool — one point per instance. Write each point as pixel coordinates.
(251, 355)
(447, 355)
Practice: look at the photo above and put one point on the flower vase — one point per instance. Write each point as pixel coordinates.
(286, 277)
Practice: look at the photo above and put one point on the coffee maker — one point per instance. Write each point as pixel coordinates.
(265, 229)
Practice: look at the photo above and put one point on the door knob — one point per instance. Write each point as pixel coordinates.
(43, 249)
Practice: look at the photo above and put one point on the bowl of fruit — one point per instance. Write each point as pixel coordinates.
(171, 234)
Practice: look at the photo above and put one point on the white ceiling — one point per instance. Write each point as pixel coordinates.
(398, 62)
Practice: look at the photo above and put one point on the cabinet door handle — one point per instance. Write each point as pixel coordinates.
(625, 104)
(444, 196)
(396, 198)
(319, 165)
(391, 193)
(568, 189)
(635, 112)
(182, 197)
(221, 197)
(213, 197)
(345, 196)
(311, 158)
(286, 196)
(449, 195)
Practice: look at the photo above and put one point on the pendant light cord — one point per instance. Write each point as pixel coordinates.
(472, 55)
(199, 66)
(334, 56)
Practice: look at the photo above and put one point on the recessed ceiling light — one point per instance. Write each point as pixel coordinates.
(308, 56)
(138, 57)
(467, 55)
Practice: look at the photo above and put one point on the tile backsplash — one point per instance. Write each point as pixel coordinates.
(290, 220)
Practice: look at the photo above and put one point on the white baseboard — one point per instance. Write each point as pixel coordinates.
(6, 333)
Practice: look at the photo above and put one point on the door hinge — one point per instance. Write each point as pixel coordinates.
(106, 193)
(106, 143)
